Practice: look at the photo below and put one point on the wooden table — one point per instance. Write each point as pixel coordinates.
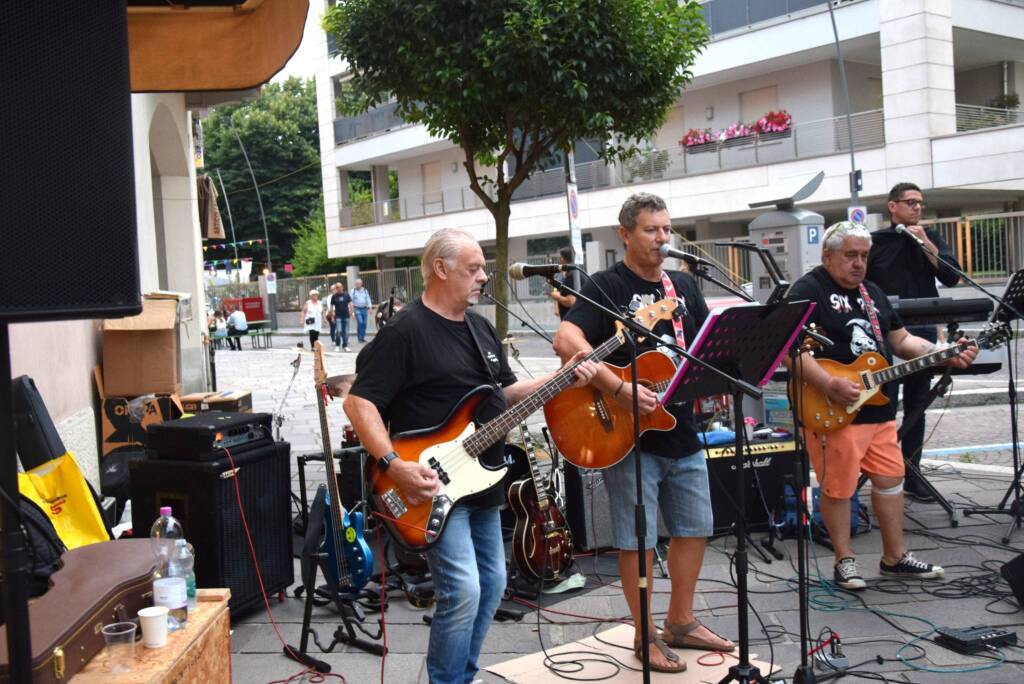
(198, 654)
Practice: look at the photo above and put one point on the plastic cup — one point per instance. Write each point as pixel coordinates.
(154, 626)
(120, 641)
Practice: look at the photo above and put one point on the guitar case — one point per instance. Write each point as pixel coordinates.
(95, 586)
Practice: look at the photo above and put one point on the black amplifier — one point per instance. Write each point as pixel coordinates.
(206, 437)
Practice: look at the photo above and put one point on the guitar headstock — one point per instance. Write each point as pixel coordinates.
(648, 316)
(809, 345)
(994, 336)
(319, 369)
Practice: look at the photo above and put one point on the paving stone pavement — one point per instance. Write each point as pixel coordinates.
(971, 553)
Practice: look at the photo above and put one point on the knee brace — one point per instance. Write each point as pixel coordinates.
(891, 491)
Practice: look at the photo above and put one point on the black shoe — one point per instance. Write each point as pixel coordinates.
(910, 567)
(916, 491)
(846, 575)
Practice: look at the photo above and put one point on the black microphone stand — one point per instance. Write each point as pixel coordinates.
(633, 332)
(1004, 312)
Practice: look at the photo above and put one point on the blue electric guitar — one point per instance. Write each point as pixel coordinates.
(349, 559)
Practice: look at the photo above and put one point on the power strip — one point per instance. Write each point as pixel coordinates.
(974, 639)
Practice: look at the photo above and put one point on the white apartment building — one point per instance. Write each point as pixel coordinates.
(922, 76)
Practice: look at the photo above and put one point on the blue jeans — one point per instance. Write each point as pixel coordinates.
(339, 332)
(468, 567)
(361, 314)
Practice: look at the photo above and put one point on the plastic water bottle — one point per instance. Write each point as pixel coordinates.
(165, 527)
(183, 565)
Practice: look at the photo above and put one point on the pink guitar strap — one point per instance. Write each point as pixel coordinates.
(677, 323)
(870, 306)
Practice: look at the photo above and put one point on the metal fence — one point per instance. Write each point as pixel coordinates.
(988, 246)
(973, 117)
(801, 141)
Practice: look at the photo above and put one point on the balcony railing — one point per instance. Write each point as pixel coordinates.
(973, 117)
(377, 120)
(801, 141)
(727, 15)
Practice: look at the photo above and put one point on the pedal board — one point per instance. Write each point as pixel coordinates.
(974, 639)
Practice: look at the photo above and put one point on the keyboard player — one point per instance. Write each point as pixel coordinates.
(900, 267)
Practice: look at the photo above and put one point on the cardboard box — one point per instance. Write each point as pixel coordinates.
(234, 401)
(119, 431)
(140, 353)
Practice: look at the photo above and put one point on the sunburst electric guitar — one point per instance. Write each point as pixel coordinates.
(452, 449)
(870, 371)
(349, 561)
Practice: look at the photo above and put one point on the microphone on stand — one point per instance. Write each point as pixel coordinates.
(691, 259)
(903, 230)
(523, 271)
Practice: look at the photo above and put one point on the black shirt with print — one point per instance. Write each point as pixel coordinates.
(421, 364)
(627, 289)
(841, 314)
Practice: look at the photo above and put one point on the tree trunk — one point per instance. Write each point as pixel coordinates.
(501, 213)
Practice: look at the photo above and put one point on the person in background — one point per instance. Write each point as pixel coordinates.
(562, 298)
(237, 326)
(313, 317)
(361, 303)
(220, 328)
(338, 311)
(902, 268)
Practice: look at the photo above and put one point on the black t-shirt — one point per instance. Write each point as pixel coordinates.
(843, 318)
(421, 364)
(630, 290)
(570, 280)
(339, 303)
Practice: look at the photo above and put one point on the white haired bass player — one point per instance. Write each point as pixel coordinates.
(423, 385)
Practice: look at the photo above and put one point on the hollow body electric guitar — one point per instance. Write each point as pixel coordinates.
(349, 561)
(870, 370)
(452, 449)
(541, 541)
(592, 429)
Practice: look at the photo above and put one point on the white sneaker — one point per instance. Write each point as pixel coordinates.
(347, 349)
(337, 349)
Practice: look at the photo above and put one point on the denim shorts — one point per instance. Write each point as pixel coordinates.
(676, 486)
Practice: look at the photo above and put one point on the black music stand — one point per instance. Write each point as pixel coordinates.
(1009, 310)
(748, 342)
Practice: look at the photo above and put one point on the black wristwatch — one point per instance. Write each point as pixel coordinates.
(384, 461)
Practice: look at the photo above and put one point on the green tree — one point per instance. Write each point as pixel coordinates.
(310, 249)
(281, 136)
(512, 82)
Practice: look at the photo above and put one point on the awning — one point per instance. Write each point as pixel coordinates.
(211, 45)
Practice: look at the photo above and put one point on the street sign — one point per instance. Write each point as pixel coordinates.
(271, 283)
(857, 214)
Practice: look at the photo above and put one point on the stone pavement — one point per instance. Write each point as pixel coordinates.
(971, 554)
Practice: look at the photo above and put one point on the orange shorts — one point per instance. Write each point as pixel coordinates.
(869, 448)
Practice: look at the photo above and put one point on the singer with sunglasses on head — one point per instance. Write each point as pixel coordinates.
(908, 270)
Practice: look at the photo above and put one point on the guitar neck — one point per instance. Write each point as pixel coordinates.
(531, 455)
(913, 365)
(496, 429)
(332, 483)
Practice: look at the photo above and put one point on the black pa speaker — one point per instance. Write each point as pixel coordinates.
(201, 495)
(1013, 573)
(67, 188)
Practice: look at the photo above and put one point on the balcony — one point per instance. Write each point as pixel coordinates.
(973, 117)
(377, 120)
(801, 141)
(728, 15)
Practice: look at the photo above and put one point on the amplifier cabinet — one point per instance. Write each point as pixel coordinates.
(202, 497)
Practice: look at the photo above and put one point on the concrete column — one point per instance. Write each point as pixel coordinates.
(379, 182)
(918, 95)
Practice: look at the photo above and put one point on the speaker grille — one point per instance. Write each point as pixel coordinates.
(67, 190)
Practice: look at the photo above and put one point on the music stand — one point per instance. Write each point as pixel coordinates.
(1008, 311)
(747, 341)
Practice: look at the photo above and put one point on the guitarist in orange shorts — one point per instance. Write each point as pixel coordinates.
(856, 315)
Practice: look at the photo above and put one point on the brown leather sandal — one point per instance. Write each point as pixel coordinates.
(678, 664)
(681, 636)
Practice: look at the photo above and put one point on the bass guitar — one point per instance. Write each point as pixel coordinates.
(870, 371)
(349, 561)
(541, 541)
(452, 449)
(592, 429)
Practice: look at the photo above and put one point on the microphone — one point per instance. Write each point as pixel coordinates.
(690, 259)
(523, 271)
(902, 230)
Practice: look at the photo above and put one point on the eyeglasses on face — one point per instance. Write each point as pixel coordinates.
(912, 203)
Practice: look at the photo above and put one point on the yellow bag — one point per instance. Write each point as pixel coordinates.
(60, 490)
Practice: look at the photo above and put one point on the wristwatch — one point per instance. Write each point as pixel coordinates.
(384, 461)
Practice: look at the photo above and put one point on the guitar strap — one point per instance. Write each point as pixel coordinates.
(869, 304)
(677, 323)
(479, 348)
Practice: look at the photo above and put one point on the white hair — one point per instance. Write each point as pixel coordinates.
(838, 232)
(444, 244)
